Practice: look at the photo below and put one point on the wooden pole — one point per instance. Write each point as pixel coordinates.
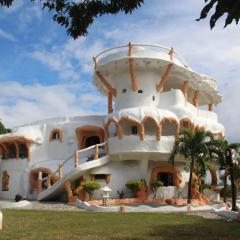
(210, 107)
(76, 161)
(196, 98)
(39, 182)
(60, 170)
(110, 109)
(17, 150)
(132, 69)
(49, 181)
(96, 152)
(159, 87)
(185, 91)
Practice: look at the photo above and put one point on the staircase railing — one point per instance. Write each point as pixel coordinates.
(88, 154)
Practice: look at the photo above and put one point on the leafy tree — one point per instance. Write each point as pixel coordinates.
(3, 129)
(90, 187)
(217, 150)
(193, 145)
(229, 7)
(76, 17)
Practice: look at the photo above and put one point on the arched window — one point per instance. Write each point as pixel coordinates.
(56, 135)
(151, 127)
(186, 123)
(170, 127)
(129, 126)
(111, 128)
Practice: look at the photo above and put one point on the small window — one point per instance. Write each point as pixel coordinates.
(153, 98)
(100, 176)
(124, 90)
(55, 136)
(140, 91)
(134, 130)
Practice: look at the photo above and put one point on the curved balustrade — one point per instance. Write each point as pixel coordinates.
(76, 159)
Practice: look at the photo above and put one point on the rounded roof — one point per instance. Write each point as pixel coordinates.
(157, 58)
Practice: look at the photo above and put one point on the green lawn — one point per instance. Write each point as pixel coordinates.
(28, 224)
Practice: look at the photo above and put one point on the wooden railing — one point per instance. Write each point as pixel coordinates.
(91, 153)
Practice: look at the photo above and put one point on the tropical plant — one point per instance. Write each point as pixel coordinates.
(134, 185)
(155, 185)
(193, 145)
(90, 187)
(217, 151)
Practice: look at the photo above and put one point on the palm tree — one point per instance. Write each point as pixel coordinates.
(193, 145)
(217, 150)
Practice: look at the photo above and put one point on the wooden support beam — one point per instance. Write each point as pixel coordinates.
(210, 107)
(106, 84)
(196, 98)
(132, 71)
(110, 109)
(159, 87)
(171, 54)
(185, 91)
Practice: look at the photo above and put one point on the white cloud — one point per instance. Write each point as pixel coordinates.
(21, 104)
(70, 59)
(7, 36)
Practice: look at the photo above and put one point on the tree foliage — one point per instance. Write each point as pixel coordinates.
(229, 7)
(76, 17)
(3, 129)
(194, 147)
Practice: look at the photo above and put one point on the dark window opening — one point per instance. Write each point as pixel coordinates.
(55, 136)
(166, 178)
(100, 176)
(23, 151)
(140, 91)
(134, 130)
(153, 98)
(11, 151)
(124, 90)
(90, 141)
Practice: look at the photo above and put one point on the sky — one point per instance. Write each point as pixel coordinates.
(44, 73)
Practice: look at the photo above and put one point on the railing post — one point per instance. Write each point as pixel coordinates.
(39, 182)
(49, 181)
(76, 162)
(60, 170)
(96, 152)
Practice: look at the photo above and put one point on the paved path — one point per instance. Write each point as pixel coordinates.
(51, 206)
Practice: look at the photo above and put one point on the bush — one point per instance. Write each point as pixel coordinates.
(156, 184)
(18, 197)
(134, 185)
(90, 187)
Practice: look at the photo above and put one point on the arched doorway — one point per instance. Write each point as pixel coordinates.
(89, 135)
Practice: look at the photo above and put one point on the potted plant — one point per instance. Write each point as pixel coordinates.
(90, 187)
(155, 185)
(134, 186)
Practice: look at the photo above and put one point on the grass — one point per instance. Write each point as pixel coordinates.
(28, 224)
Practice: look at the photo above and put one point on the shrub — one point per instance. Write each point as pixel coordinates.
(134, 185)
(156, 184)
(90, 187)
(18, 197)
